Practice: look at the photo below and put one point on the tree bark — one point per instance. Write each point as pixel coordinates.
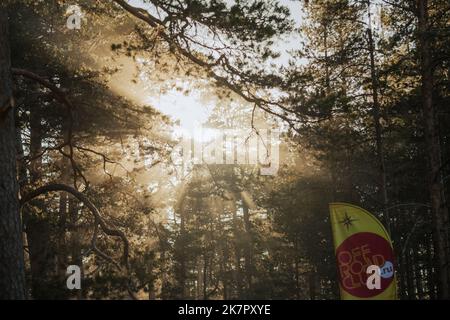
(435, 186)
(431, 277)
(378, 130)
(224, 253)
(37, 227)
(409, 276)
(248, 254)
(181, 273)
(12, 271)
(418, 274)
(237, 250)
(76, 242)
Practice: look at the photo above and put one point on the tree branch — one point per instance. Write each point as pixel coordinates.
(62, 98)
(263, 104)
(98, 222)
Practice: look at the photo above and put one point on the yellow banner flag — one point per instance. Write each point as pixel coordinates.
(361, 241)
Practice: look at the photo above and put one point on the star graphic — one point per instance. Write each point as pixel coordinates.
(347, 221)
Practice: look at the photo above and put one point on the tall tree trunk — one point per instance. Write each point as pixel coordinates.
(297, 271)
(224, 253)
(205, 276)
(180, 249)
(403, 275)
(418, 273)
(63, 216)
(248, 254)
(435, 186)
(237, 250)
(377, 117)
(37, 226)
(409, 276)
(76, 242)
(12, 270)
(312, 285)
(325, 45)
(431, 277)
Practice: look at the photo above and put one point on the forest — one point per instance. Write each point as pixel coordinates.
(113, 114)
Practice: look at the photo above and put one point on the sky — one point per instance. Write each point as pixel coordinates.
(190, 110)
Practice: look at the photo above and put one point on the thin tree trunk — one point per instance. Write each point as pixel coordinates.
(237, 252)
(205, 276)
(296, 271)
(327, 68)
(37, 226)
(312, 286)
(62, 245)
(224, 254)
(181, 274)
(431, 278)
(378, 131)
(248, 248)
(418, 274)
(76, 244)
(409, 276)
(403, 276)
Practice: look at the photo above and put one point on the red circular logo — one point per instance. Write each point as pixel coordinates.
(355, 255)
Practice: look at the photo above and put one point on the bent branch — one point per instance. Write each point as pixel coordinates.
(99, 221)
